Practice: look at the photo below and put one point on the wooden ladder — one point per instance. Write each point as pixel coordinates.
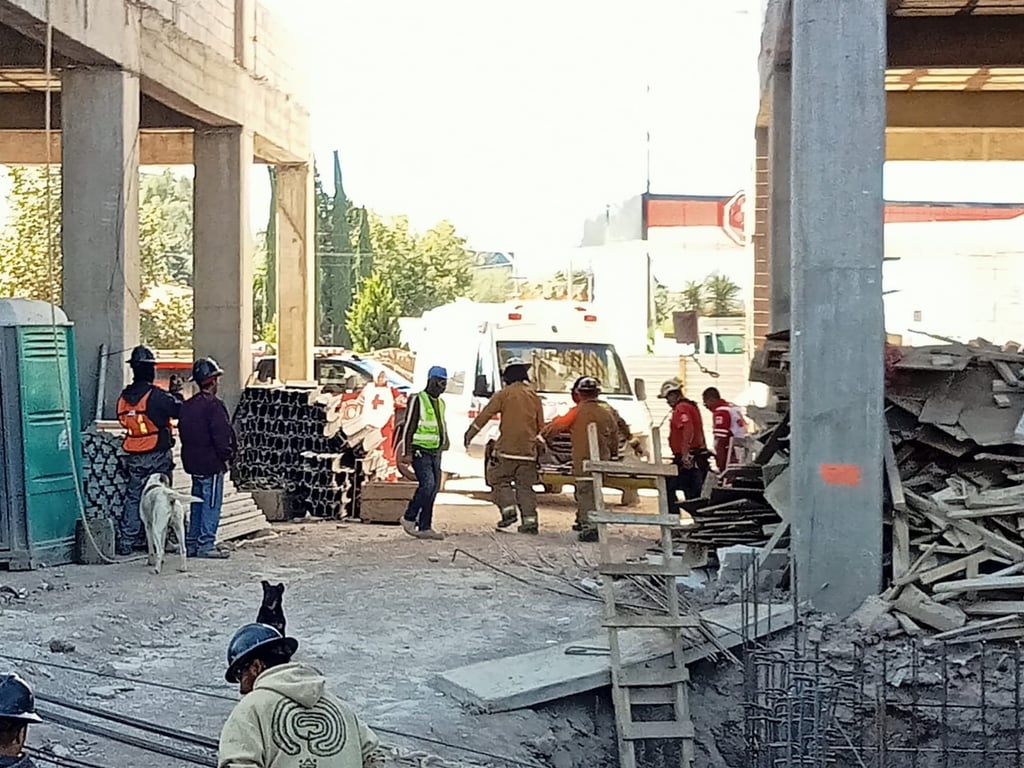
(639, 685)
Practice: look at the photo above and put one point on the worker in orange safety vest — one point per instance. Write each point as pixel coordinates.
(145, 411)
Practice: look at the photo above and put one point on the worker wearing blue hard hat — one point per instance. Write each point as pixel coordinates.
(424, 439)
(287, 715)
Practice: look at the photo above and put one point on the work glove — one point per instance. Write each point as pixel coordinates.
(176, 384)
(467, 438)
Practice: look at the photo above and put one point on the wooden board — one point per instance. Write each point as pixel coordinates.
(529, 679)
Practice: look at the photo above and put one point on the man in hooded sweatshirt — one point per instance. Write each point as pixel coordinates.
(287, 718)
(17, 713)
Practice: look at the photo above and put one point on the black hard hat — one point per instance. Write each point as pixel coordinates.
(587, 384)
(249, 640)
(142, 354)
(16, 700)
(204, 369)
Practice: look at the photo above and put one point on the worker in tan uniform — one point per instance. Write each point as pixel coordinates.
(512, 469)
(588, 410)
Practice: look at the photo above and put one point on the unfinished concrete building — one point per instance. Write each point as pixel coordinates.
(844, 87)
(209, 83)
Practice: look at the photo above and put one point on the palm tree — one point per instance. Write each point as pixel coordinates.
(722, 295)
(692, 296)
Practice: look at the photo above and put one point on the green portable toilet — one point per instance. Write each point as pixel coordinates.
(40, 443)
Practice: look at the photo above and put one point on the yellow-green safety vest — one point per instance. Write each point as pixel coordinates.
(428, 429)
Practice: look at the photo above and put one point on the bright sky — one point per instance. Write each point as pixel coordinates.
(519, 120)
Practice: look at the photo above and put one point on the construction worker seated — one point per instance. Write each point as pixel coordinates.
(610, 427)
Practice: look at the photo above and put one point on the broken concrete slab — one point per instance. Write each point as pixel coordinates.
(922, 609)
(939, 409)
(533, 678)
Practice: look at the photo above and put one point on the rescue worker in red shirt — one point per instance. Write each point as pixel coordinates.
(686, 440)
(730, 429)
(145, 411)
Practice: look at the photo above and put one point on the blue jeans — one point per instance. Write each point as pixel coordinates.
(205, 517)
(427, 466)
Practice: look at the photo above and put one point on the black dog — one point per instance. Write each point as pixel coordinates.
(271, 611)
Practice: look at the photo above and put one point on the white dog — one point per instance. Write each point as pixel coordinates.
(161, 508)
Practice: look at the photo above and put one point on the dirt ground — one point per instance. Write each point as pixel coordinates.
(379, 612)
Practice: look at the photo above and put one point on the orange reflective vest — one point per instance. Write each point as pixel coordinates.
(143, 434)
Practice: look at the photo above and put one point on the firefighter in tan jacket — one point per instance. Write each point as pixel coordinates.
(512, 469)
(610, 427)
(287, 718)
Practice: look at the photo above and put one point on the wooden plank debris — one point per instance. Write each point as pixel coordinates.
(923, 610)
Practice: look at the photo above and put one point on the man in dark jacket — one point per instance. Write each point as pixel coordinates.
(207, 447)
(145, 411)
(17, 712)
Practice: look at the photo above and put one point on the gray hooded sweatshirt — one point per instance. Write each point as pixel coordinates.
(290, 720)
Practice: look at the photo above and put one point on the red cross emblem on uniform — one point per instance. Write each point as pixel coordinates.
(377, 402)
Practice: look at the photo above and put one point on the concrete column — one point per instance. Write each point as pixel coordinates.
(245, 30)
(838, 329)
(100, 225)
(296, 283)
(780, 140)
(223, 255)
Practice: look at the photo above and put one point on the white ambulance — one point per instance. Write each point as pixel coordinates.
(560, 340)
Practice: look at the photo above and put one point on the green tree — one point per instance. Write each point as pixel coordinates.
(423, 271)
(166, 323)
(692, 297)
(722, 295)
(25, 242)
(165, 228)
(491, 285)
(373, 317)
(269, 278)
(664, 302)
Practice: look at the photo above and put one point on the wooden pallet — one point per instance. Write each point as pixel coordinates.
(642, 686)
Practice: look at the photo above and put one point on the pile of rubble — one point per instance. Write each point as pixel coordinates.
(956, 481)
(954, 511)
(104, 478)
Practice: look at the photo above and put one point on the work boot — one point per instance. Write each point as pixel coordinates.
(431, 534)
(576, 526)
(123, 549)
(588, 534)
(529, 526)
(508, 517)
(409, 526)
(213, 554)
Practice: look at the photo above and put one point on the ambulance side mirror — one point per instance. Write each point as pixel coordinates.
(481, 388)
(640, 389)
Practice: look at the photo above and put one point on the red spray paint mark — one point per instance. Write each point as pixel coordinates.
(840, 474)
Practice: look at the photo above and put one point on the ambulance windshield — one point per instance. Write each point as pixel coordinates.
(557, 364)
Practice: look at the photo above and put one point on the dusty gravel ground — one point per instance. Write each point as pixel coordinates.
(380, 613)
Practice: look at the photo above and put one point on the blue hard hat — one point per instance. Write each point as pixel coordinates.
(251, 639)
(16, 701)
(437, 372)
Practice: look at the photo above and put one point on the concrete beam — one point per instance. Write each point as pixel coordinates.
(838, 104)
(918, 42)
(155, 147)
(100, 225)
(185, 75)
(296, 281)
(174, 68)
(27, 112)
(222, 245)
(983, 144)
(955, 109)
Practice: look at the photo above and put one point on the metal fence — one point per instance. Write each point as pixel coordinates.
(825, 697)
